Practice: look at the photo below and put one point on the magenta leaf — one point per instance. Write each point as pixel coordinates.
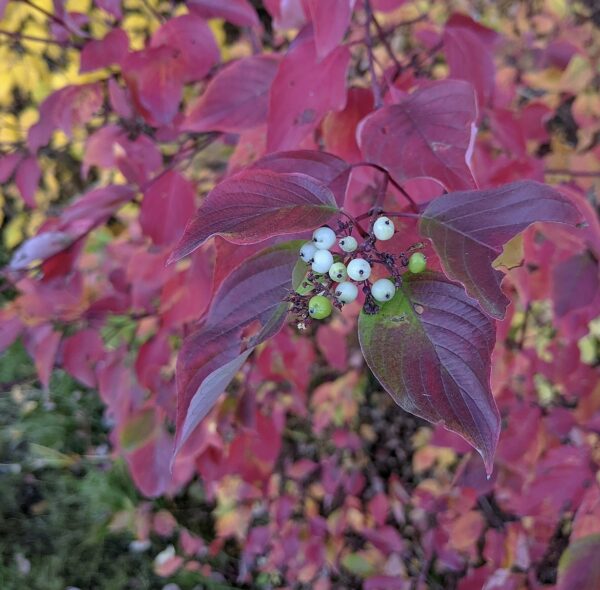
(210, 357)
(468, 47)
(27, 179)
(238, 12)
(40, 247)
(330, 21)
(104, 52)
(430, 348)
(326, 168)
(254, 205)
(579, 567)
(575, 282)
(168, 204)
(237, 98)
(429, 134)
(469, 228)
(304, 90)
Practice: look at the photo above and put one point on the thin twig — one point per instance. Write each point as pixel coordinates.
(383, 38)
(22, 37)
(566, 172)
(369, 43)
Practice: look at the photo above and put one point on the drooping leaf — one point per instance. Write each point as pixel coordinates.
(256, 204)
(430, 348)
(238, 12)
(303, 92)
(40, 247)
(429, 134)
(579, 567)
(168, 204)
(469, 228)
(326, 168)
(236, 99)
(211, 356)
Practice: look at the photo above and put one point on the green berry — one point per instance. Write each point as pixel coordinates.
(319, 307)
(337, 272)
(417, 263)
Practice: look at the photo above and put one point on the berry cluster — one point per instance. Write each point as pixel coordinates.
(335, 277)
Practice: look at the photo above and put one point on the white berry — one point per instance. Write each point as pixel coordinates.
(307, 252)
(383, 228)
(359, 269)
(348, 244)
(346, 292)
(337, 272)
(322, 261)
(324, 238)
(383, 290)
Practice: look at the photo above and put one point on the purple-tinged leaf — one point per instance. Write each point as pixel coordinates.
(429, 134)
(254, 205)
(469, 228)
(330, 20)
(105, 52)
(8, 165)
(27, 179)
(575, 283)
(238, 12)
(579, 566)
(210, 357)
(304, 90)
(236, 99)
(430, 348)
(326, 168)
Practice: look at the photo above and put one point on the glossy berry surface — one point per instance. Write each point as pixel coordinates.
(383, 228)
(417, 263)
(383, 290)
(324, 238)
(322, 261)
(359, 269)
(319, 307)
(307, 252)
(348, 244)
(346, 292)
(338, 272)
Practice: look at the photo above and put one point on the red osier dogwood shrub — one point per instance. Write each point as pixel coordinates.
(361, 115)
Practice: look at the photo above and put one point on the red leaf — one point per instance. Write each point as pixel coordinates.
(255, 205)
(27, 179)
(80, 354)
(468, 230)
(324, 167)
(575, 283)
(429, 134)
(193, 42)
(579, 567)
(330, 20)
(167, 206)
(42, 343)
(236, 99)
(468, 49)
(155, 80)
(238, 12)
(106, 52)
(149, 465)
(339, 129)
(212, 355)
(10, 328)
(303, 91)
(430, 348)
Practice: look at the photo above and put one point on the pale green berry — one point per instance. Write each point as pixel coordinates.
(348, 244)
(324, 238)
(417, 262)
(319, 307)
(383, 290)
(346, 292)
(337, 272)
(383, 228)
(322, 261)
(307, 252)
(359, 269)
